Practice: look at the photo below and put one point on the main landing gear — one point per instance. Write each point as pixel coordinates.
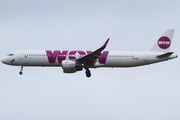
(21, 70)
(88, 73)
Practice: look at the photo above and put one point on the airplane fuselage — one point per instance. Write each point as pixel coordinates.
(107, 58)
(72, 61)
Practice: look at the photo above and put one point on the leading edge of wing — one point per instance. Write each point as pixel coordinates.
(94, 55)
(105, 44)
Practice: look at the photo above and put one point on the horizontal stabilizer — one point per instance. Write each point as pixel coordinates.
(165, 55)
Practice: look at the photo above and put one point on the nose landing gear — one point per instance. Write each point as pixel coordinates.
(21, 70)
(88, 73)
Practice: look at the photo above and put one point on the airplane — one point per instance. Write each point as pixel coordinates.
(72, 61)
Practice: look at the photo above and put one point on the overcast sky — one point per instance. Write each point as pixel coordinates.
(149, 92)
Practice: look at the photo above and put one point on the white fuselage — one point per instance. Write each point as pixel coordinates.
(111, 59)
(77, 60)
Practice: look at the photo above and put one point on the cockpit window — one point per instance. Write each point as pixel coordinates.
(10, 54)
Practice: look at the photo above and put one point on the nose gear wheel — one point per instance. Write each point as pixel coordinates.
(21, 70)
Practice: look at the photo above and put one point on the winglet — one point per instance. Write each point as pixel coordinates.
(105, 44)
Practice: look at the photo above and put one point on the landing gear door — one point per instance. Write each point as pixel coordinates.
(145, 57)
(20, 55)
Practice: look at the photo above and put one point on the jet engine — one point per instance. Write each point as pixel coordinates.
(70, 66)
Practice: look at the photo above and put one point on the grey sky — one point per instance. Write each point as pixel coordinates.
(148, 92)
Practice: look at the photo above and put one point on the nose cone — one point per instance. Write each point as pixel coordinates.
(4, 60)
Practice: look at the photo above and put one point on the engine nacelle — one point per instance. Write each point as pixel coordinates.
(70, 66)
(67, 64)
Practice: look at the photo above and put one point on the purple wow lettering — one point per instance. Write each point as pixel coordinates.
(53, 55)
(60, 56)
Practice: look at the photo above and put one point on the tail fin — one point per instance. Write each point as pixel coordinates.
(164, 42)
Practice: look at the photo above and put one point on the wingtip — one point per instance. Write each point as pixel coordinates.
(105, 44)
(107, 41)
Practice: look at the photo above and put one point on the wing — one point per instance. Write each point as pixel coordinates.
(89, 60)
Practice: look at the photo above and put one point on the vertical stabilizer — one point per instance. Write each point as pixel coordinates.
(164, 42)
